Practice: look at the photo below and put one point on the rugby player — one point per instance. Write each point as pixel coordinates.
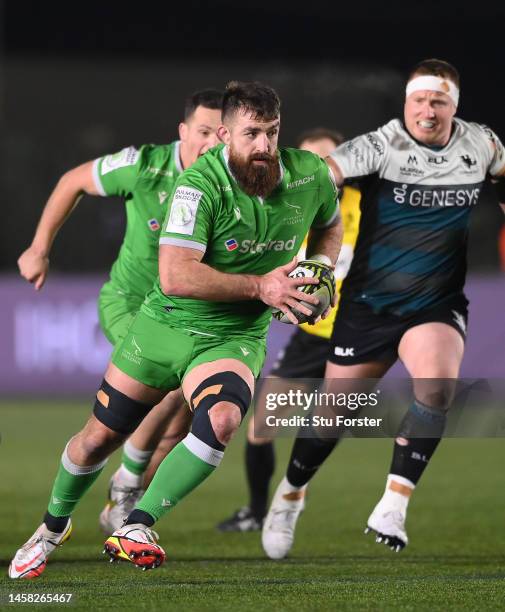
(144, 178)
(305, 355)
(403, 297)
(226, 251)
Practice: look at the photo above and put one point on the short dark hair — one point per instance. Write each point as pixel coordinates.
(251, 96)
(208, 98)
(318, 134)
(435, 67)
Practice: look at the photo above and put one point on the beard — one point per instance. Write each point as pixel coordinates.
(256, 179)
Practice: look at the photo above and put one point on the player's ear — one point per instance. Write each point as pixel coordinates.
(183, 131)
(224, 134)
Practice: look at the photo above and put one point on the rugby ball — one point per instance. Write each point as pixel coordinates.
(324, 291)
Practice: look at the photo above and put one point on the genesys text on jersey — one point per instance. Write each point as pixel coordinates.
(431, 196)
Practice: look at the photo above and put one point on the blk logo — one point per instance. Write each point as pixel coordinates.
(437, 160)
(341, 351)
(412, 159)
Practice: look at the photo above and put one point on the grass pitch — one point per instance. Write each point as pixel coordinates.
(456, 559)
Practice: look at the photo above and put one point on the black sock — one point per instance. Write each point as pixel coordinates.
(307, 456)
(412, 453)
(260, 465)
(55, 523)
(139, 516)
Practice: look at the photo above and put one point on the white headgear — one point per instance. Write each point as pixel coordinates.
(433, 83)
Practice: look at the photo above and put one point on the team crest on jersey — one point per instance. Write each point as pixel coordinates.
(468, 161)
(296, 213)
(153, 225)
(231, 244)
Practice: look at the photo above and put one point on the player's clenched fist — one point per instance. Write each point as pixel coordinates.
(33, 266)
(279, 290)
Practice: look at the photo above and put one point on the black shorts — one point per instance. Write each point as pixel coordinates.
(360, 335)
(305, 356)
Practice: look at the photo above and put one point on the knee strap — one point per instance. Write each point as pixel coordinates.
(117, 411)
(222, 387)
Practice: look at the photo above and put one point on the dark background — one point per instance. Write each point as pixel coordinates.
(81, 79)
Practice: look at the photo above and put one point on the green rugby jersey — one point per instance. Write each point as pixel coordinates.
(145, 179)
(240, 234)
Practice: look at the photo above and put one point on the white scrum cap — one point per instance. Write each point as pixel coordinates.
(433, 83)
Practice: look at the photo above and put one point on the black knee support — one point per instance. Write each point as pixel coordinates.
(117, 411)
(222, 387)
(422, 421)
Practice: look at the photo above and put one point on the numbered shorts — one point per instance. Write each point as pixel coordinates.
(159, 355)
(360, 335)
(304, 356)
(116, 311)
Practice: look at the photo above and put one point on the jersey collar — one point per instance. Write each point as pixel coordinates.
(177, 156)
(454, 127)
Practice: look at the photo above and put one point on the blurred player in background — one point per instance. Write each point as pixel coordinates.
(225, 256)
(305, 356)
(403, 297)
(145, 179)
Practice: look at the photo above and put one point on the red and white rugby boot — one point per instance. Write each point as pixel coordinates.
(31, 559)
(137, 544)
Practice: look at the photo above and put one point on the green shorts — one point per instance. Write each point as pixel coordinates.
(116, 311)
(159, 355)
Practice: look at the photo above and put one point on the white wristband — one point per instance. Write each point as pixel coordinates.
(324, 259)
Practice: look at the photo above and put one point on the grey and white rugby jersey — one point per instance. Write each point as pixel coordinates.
(415, 207)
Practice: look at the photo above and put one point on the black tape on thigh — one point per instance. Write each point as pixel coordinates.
(117, 411)
(222, 387)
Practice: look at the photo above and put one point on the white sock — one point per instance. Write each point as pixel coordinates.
(123, 477)
(126, 477)
(79, 470)
(395, 500)
(287, 487)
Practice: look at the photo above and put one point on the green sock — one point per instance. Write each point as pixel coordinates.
(182, 470)
(71, 483)
(135, 460)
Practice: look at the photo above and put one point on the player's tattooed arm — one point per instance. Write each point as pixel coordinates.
(34, 261)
